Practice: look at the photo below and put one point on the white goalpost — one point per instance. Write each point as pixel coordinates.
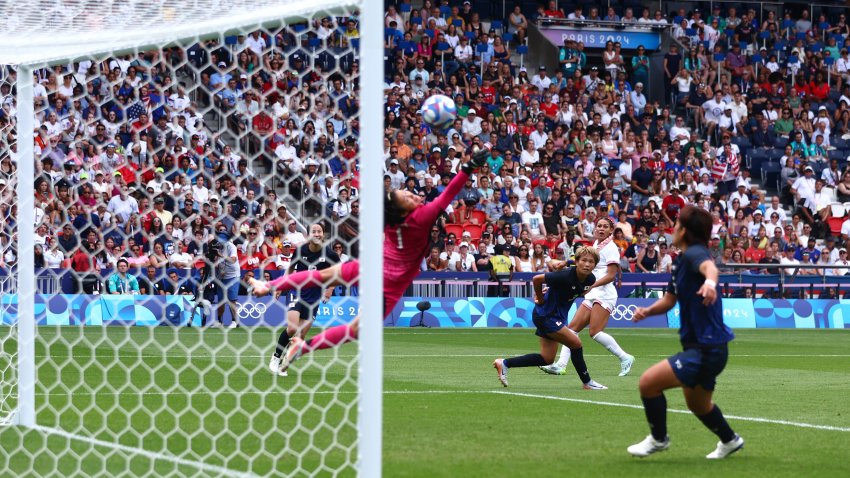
(102, 384)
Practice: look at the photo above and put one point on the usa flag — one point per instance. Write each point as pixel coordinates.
(136, 110)
(725, 164)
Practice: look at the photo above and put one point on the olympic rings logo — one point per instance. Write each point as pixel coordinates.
(623, 312)
(255, 311)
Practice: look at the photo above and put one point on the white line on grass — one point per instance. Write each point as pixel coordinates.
(672, 410)
(146, 453)
(459, 392)
(491, 355)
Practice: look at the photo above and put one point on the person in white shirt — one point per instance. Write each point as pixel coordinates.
(541, 81)
(679, 131)
(294, 236)
(804, 186)
(463, 260)
(776, 207)
(713, 110)
(532, 220)
(539, 136)
(841, 261)
(819, 202)
(463, 52)
(729, 121)
(788, 259)
(471, 125)
(522, 189)
(740, 195)
(530, 156)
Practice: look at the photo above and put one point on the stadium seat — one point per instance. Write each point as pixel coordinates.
(457, 229)
(404, 7)
(837, 209)
(231, 40)
(836, 154)
(445, 11)
(458, 23)
(770, 176)
(835, 224)
(474, 230)
(496, 25)
(479, 216)
(780, 143)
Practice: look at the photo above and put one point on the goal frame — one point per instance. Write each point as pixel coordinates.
(370, 366)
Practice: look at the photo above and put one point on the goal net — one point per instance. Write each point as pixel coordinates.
(155, 156)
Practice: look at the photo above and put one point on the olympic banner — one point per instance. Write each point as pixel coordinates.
(597, 37)
(516, 312)
(168, 310)
(501, 312)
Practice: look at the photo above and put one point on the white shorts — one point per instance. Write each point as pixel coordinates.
(606, 296)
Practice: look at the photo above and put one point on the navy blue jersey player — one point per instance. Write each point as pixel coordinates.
(704, 339)
(314, 255)
(550, 316)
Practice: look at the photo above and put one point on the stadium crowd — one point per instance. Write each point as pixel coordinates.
(147, 157)
(742, 93)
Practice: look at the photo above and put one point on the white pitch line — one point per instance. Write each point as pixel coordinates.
(491, 355)
(673, 410)
(146, 453)
(482, 392)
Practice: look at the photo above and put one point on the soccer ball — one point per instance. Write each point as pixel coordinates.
(439, 111)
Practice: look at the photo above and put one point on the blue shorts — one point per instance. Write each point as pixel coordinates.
(547, 325)
(699, 366)
(228, 288)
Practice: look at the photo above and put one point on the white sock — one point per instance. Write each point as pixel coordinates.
(564, 358)
(609, 343)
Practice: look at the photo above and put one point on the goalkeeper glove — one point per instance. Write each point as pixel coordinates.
(479, 158)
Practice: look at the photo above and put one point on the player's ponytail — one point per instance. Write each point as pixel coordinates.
(393, 213)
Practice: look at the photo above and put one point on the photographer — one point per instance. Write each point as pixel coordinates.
(221, 253)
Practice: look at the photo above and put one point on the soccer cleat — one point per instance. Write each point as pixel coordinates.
(499, 365)
(594, 385)
(553, 369)
(626, 365)
(233, 325)
(725, 449)
(648, 446)
(274, 366)
(296, 345)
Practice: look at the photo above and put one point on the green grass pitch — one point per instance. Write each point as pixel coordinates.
(180, 402)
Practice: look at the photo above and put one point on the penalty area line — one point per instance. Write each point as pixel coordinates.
(673, 410)
(155, 456)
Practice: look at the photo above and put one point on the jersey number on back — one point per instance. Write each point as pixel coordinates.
(400, 240)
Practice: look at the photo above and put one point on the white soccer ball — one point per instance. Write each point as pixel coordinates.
(439, 111)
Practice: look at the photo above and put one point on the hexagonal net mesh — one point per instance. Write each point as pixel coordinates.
(168, 175)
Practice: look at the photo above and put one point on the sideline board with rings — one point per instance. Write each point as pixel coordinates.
(175, 310)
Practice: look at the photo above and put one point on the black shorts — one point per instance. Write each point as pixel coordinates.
(699, 365)
(547, 325)
(306, 310)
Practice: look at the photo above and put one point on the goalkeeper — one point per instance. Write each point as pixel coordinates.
(406, 224)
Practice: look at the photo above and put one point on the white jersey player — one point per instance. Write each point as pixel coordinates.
(599, 302)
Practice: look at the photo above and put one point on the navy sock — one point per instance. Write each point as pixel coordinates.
(656, 414)
(282, 342)
(577, 356)
(715, 422)
(529, 360)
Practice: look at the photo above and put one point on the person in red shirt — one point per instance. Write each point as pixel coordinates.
(818, 89)
(672, 205)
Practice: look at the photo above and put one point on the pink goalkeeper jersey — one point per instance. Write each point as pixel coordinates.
(406, 245)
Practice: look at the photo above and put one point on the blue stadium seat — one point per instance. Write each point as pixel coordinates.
(507, 37)
(775, 154)
(429, 32)
(404, 8)
(787, 24)
(496, 25)
(522, 49)
(836, 154)
(457, 22)
(771, 176)
(800, 36)
(416, 21)
(231, 40)
(780, 143)
(299, 27)
(316, 42)
(840, 143)
(470, 35)
(445, 11)
(442, 46)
